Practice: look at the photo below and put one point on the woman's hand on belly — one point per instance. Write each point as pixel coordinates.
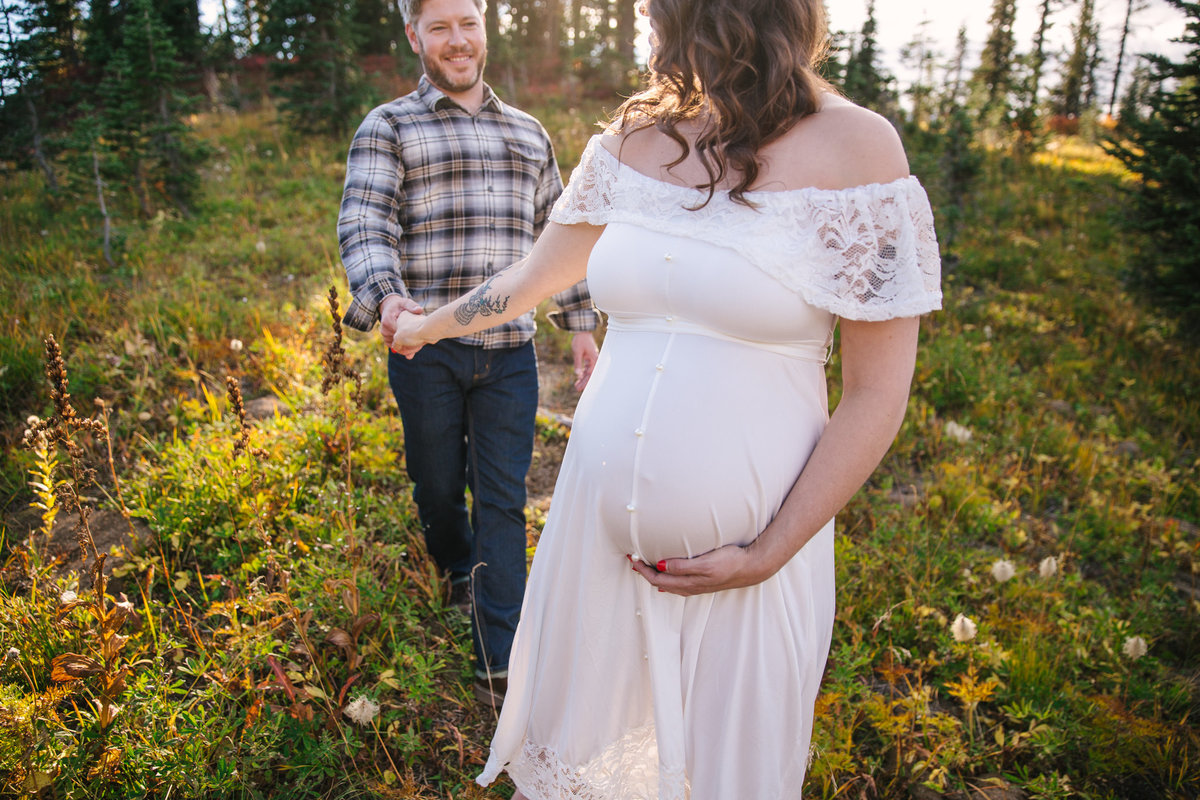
(729, 567)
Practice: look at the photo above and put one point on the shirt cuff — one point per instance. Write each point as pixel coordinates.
(363, 312)
(576, 320)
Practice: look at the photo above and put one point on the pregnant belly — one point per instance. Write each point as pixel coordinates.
(693, 447)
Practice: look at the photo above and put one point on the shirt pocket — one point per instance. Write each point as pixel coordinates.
(525, 160)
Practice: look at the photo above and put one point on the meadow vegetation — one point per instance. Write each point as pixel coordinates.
(1019, 582)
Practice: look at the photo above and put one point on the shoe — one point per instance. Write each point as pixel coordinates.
(460, 595)
(490, 691)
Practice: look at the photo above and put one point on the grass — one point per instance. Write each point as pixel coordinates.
(1050, 441)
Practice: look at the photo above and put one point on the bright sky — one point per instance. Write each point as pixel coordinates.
(1151, 31)
(1151, 28)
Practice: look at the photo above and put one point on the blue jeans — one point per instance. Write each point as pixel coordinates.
(468, 416)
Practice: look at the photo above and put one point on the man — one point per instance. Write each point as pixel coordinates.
(444, 187)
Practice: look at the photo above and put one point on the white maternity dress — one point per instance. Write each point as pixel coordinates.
(708, 397)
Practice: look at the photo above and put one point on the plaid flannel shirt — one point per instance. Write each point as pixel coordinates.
(438, 200)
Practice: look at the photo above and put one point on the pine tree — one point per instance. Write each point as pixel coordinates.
(1036, 64)
(315, 46)
(920, 56)
(24, 134)
(1078, 79)
(139, 137)
(993, 81)
(1164, 151)
(41, 71)
(865, 81)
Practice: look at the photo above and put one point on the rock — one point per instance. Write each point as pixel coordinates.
(994, 788)
(1128, 448)
(266, 407)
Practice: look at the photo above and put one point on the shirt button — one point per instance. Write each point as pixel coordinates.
(630, 508)
(639, 432)
(489, 188)
(660, 367)
(670, 319)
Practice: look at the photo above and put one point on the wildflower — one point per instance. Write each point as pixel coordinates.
(1048, 567)
(236, 345)
(963, 628)
(1134, 647)
(12, 655)
(260, 246)
(68, 597)
(987, 332)
(1003, 569)
(362, 710)
(32, 420)
(959, 433)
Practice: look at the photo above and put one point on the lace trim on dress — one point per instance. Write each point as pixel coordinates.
(865, 252)
(628, 769)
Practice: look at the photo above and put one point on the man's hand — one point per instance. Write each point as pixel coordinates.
(583, 348)
(392, 307)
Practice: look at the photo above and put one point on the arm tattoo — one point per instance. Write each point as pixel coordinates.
(479, 303)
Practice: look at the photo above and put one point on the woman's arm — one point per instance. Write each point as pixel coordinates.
(877, 368)
(558, 260)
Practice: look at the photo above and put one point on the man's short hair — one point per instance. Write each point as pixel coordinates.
(411, 9)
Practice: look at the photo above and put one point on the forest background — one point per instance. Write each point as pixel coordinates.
(212, 579)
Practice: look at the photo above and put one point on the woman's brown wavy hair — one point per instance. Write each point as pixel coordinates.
(750, 66)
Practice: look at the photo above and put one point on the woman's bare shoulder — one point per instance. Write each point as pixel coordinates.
(842, 145)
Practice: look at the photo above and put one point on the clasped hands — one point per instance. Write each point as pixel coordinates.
(401, 320)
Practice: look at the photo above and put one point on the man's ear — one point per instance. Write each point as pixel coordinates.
(413, 41)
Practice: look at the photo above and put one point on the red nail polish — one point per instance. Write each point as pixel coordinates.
(629, 557)
(661, 565)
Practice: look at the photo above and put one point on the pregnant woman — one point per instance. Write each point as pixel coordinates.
(680, 606)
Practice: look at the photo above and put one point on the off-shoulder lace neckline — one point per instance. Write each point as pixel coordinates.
(754, 194)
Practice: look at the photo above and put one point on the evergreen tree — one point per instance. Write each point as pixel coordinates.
(314, 47)
(865, 81)
(1130, 7)
(1036, 65)
(920, 56)
(1164, 151)
(1078, 85)
(23, 109)
(139, 139)
(993, 81)
(41, 73)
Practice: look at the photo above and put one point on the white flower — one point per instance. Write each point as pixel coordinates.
(959, 433)
(987, 332)
(963, 629)
(32, 420)
(1134, 647)
(1003, 569)
(260, 246)
(236, 345)
(68, 597)
(12, 655)
(362, 710)
(1048, 567)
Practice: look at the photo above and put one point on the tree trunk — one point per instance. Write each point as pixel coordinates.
(108, 259)
(1112, 100)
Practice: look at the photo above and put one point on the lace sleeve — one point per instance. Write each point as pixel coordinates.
(878, 250)
(591, 193)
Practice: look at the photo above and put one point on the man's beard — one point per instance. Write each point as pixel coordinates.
(444, 82)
